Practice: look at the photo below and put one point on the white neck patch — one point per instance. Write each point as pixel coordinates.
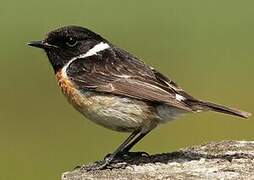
(97, 48)
(93, 51)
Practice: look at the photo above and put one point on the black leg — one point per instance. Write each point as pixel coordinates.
(135, 141)
(124, 144)
(109, 159)
(122, 150)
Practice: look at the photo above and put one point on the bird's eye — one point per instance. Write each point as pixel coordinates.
(71, 42)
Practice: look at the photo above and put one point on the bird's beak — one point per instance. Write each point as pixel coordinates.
(40, 44)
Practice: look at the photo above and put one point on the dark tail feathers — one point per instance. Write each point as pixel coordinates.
(201, 105)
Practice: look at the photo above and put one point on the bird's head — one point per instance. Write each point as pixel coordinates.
(66, 43)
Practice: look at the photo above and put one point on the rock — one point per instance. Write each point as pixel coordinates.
(214, 160)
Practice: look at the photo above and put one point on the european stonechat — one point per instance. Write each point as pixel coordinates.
(115, 89)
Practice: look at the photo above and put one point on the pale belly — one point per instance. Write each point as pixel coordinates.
(116, 112)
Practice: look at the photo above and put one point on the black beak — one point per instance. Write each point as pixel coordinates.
(40, 44)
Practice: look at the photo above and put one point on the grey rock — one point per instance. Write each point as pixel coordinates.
(214, 160)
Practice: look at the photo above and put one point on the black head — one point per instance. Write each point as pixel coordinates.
(62, 44)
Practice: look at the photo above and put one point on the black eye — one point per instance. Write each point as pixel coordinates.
(71, 42)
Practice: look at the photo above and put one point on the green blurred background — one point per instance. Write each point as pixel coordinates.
(206, 46)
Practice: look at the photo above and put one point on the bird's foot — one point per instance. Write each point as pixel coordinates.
(131, 155)
(99, 165)
(107, 163)
(119, 161)
(121, 156)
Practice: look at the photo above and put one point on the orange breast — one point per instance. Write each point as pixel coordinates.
(77, 99)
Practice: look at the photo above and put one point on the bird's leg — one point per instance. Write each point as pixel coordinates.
(109, 158)
(122, 151)
(126, 150)
(135, 141)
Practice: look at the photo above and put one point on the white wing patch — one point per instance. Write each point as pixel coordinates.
(180, 98)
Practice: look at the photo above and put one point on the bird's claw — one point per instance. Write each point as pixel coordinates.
(114, 162)
(121, 156)
(99, 165)
(130, 155)
(105, 164)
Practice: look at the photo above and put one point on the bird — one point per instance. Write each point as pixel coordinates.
(114, 88)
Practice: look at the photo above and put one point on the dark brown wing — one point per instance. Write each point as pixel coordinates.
(118, 72)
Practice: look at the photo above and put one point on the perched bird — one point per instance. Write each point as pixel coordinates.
(115, 89)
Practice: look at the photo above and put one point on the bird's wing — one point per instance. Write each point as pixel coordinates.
(118, 72)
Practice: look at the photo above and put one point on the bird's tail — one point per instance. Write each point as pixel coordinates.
(202, 105)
